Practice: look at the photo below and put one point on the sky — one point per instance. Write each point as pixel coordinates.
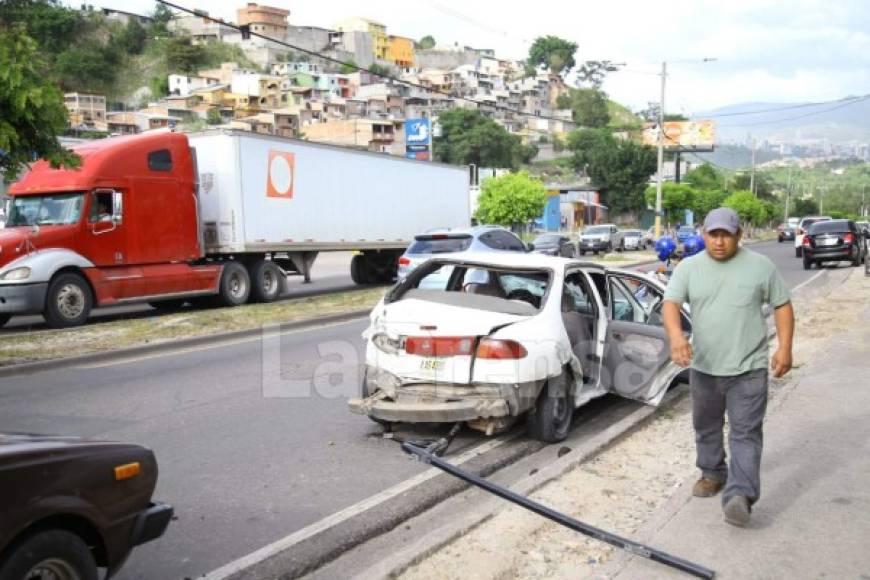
(771, 51)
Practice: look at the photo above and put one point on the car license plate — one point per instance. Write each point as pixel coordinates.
(431, 365)
(589, 243)
(829, 241)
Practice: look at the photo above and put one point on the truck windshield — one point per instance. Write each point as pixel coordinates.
(45, 210)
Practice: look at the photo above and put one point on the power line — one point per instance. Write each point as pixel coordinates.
(840, 106)
(785, 108)
(479, 104)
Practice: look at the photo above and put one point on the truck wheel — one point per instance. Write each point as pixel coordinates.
(68, 301)
(53, 554)
(4, 318)
(359, 270)
(235, 285)
(265, 281)
(550, 420)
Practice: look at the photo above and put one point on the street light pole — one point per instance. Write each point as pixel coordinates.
(661, 153)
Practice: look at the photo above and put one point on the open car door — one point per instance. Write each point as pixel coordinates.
(637, 359)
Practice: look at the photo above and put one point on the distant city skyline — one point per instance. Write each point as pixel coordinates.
(766, 51)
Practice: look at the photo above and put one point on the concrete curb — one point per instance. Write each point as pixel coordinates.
(489, 507)
(96, 357)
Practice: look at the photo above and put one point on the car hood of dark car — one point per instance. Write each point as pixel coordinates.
(29, 443)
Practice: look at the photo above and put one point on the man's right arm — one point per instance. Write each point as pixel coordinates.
(681, 350)
(676, 293)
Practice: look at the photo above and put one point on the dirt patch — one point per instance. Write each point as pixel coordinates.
(621, 488)
(102, 337)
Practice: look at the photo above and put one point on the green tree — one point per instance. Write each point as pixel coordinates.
(348, 67)
(763, 186)
(53, 26)
(593, 72)
(160, 20)
(588, 107)
(426, 42)
(707, 200)
(619, 167)
(805, 207)
(88, 66)
(131, 39)
(213, 117)
(751, 210)
(33, 110)
(380, 70)
(676, 199)
(554, 53)
(705, 177)
(183, 56)
(513, 198)
(468, 136)
(159, 86)
(584, 142)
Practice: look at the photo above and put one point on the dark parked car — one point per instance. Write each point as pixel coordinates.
(69, 506)
(833, 241)
(785, 232)
(553, 245)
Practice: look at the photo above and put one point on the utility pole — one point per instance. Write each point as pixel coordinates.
(661, 153)
(752, 174)
(787, 194)
(863, 206)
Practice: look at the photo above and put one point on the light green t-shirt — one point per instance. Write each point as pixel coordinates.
(729, 334)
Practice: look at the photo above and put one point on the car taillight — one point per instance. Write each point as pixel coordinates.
(848, 238)
(490, 348)
(806, 241)
(439, 345)
(403, 261)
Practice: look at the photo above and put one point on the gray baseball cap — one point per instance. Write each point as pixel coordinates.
(722, 218)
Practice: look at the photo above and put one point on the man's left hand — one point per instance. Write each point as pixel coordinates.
(781, 363)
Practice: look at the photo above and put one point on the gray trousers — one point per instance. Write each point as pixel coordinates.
(744, 398)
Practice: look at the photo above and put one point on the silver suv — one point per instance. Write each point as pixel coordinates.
(600, 238)
(476, 239)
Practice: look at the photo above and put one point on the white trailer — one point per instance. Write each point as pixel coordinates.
(290, 199)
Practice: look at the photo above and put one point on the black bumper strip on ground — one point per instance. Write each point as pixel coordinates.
(628, 545)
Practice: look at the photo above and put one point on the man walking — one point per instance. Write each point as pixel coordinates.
(726, 287)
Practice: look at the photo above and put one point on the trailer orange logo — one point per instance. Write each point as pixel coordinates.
(282, 171)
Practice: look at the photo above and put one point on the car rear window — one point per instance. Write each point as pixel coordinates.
(632, 234)
(829, 226)
(808, 222)
(440, 244)
(496, 289)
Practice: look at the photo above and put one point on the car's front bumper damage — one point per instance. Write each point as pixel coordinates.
(489, 407)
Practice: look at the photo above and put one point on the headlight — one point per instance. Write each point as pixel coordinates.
(16, 274)
(387, 344)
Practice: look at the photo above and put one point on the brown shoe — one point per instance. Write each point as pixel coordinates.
(706, 487)
(736, 511)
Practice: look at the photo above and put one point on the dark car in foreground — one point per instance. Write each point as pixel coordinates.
(553, 245)
(784, 232)
(69, 506)
(834, 241)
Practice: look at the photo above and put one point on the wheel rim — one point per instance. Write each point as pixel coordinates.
(52, 569)
(71, 301)
(269, 282)
(237, 285)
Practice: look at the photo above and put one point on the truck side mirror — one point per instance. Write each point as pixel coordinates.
(117, 207)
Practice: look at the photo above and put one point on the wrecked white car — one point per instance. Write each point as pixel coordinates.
(484, 339)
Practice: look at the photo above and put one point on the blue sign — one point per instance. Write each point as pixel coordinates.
(417, 132)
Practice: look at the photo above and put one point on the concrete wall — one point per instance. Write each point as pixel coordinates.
(443, 59)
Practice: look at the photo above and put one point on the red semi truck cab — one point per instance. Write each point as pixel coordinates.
(123, 227)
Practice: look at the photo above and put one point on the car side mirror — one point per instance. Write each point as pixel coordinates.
(530, 247)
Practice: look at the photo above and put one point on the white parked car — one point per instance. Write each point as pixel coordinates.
(801, 231)
(601, 238)
(506, 335)
(633, 240)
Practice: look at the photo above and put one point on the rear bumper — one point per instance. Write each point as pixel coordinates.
(151, 523)
(22, 298)
(445, 402)
(825, 254)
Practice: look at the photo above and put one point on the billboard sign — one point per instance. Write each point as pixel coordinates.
(418, 139)
(691, 135)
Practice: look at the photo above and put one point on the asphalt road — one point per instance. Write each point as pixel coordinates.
(253, 437)
(331, 273)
